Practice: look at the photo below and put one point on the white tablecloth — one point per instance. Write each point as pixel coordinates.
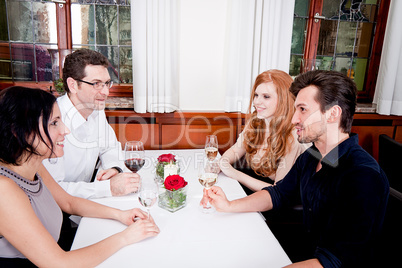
(188, 237)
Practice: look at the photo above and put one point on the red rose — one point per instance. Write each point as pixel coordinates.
(174, 182)
(166, 158)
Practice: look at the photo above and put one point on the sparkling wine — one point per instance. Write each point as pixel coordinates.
(148, 201)
(134, 164)
(208, 179)
(211, 152)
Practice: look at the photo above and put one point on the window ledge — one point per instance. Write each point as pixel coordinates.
(366, 108)
(128, 103)
(120, 103)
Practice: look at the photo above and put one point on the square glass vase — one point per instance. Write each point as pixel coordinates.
(173, 200)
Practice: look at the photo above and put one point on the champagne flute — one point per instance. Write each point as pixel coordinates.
(207, 178)
(148, 193)
(134, 155)
(211, 147)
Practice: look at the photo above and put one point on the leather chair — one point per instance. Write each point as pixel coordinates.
(390, 160)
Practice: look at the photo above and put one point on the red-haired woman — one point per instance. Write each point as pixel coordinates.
(268, 141)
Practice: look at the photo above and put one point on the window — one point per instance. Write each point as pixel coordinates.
(341, 35)
(105, 26)
(29, 28)
(346, 36)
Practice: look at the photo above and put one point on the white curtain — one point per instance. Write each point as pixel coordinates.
(388, 92)
(154, 30)
(259, 38)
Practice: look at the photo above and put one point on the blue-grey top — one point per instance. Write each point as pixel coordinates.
(44, 205)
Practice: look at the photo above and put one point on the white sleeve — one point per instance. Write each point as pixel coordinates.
(81, 189)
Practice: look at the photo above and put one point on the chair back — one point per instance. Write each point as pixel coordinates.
(390, 160)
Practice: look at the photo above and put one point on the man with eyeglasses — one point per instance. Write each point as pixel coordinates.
(87, 82)
(91, 141)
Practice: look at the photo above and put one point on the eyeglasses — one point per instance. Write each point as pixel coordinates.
(98, 85)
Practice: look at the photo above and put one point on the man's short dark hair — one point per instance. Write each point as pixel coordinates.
(334, 88)
(75, 63)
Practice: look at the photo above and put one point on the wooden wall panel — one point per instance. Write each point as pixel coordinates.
(147, 133)
(193, 136)
(369, 135)
(187, 130)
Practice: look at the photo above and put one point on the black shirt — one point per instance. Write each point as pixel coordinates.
(343, 203)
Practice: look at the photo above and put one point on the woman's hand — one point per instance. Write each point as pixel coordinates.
(128, 217)
(140, 230)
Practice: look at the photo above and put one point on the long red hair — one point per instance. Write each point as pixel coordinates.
(280, 127)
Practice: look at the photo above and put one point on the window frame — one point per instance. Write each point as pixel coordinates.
(312, 36)
(64, 39)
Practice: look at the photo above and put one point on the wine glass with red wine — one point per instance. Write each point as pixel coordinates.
(134, 155)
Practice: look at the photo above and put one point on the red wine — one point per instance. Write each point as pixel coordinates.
(134, 164)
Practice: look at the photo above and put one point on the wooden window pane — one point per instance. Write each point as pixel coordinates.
(327, 39)
(112, 54)
(125, 25)
(298, 35)
(295, 62)
(301, 8)
(359, 68)
(82, 20)
(330, 8)
(20, 21)
(3, 22)
(44, 21)
(364, 39)
(106, 25)
(31, 62)
(345, 39)
(126, 65)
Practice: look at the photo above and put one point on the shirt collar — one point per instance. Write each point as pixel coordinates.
(332, 158)
(72, 113)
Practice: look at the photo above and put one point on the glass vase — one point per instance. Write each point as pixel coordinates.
(173, 200)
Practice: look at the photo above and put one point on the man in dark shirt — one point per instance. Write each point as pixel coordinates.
(342, 188)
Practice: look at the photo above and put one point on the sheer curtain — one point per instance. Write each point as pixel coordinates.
(154, 29)
(388, 92)
(259, 38)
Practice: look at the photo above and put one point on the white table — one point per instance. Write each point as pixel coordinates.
(188, 237)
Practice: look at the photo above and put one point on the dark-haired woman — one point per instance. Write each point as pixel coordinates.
(30, 205)
(268, 141)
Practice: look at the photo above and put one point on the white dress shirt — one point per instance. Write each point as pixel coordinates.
(88, 140)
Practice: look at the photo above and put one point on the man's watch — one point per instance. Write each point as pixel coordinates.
(119, 170)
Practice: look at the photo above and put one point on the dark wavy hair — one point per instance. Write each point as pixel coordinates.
(75, 63)
(21, 112)
(334, 88)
